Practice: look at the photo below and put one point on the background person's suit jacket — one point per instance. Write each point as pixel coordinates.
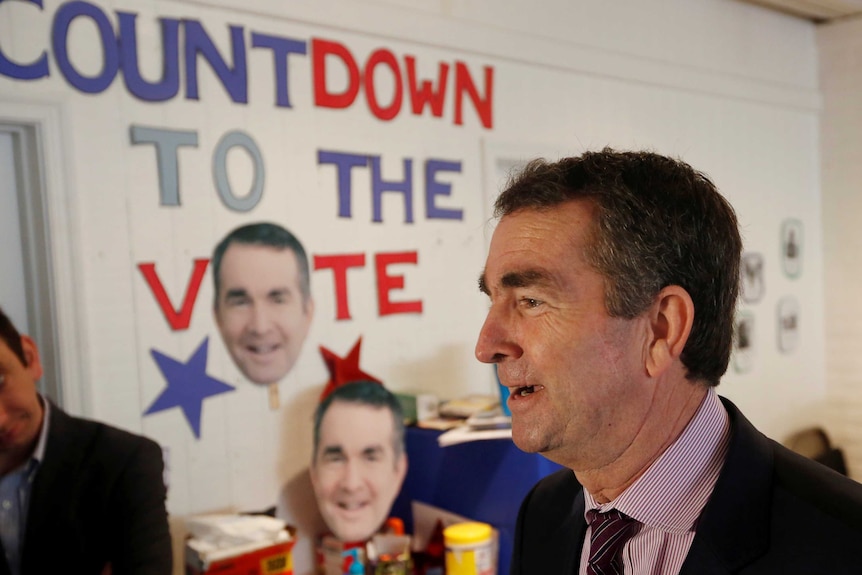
(772, 512)
(98, 497)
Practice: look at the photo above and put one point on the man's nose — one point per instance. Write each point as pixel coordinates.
(351, 480)
(497, 339)
(260, 319)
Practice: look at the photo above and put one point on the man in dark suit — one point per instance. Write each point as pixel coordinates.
(613, 280)
(76, 496)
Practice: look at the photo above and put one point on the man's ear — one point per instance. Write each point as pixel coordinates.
(671, 317)
(31, 354)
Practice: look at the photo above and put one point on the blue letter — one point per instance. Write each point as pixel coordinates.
(344, 163)
(235, 80)
(242, 140)
(167, 143)
(433, 188)
(169, 85)
(378, 186)
(34, 71)
(65, 14)
(281, 47)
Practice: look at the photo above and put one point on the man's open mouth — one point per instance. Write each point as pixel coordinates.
(526, 390)
(262, 349)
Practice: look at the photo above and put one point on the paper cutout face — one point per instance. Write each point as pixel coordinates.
(261, 312)
(356, 473)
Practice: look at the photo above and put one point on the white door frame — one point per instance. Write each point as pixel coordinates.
(51, 254)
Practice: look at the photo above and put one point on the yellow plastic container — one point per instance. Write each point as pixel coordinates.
(469, 549)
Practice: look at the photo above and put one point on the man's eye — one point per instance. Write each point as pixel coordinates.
(530, 302)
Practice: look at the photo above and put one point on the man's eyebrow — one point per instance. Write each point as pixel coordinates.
(332, 450)
(483, 287)
(526, 278)
(372, 450)
(280, 291)
(235, 293)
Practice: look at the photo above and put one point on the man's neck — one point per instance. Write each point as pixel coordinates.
(663, 427)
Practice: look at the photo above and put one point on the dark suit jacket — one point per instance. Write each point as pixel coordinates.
(98, 497)
(772, 512)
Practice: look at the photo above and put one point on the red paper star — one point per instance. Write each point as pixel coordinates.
(343, 370)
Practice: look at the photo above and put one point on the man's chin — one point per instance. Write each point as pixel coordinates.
(349, 531)
(351, 535)
(266, 377)
(262, 382)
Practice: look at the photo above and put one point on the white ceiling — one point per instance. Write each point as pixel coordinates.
(817, 10)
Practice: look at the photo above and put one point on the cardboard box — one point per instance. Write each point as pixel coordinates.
(331, 553)
(271, 559)
(419, 407)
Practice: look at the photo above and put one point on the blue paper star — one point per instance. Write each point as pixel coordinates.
(188, 385)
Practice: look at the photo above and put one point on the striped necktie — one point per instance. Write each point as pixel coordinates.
(609, 533)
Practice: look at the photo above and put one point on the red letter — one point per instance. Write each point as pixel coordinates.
(387, 283)
(339, 265)
(383, 57)
(176, 319)
(463, 82)
(419, 97)
(322, 97)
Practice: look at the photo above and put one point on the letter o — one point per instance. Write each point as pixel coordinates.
(59, 34)
(383, 57)
(228, 141)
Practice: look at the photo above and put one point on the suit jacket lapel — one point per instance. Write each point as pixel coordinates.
(4, 567)
(56, 472)
(574, 530)
(564, 545)
(733, 530)
(551, 527)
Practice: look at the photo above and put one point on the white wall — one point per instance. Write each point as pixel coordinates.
(841, 80)
(729, 87)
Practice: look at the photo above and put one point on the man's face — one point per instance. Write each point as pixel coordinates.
(20, 408)
(355, 473)
(576, 376)
(260, 310)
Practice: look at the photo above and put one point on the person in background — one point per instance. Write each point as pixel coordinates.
(76, 496)
(359, 462)
(263, 305)
(613, 281)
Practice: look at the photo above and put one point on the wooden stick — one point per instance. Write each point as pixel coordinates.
(274, 402)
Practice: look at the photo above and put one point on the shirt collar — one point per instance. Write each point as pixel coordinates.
(673, 491)
(39, 452)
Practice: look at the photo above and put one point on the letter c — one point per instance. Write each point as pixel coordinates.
(34, 71)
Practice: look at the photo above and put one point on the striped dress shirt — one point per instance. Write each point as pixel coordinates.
(669, 497)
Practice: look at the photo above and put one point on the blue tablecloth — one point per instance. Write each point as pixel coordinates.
(482, 480)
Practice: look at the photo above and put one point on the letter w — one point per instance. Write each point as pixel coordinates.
(420, 97)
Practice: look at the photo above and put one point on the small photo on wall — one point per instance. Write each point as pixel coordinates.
(751, 282)
(791, 247)
(743, 342)
(788, 324)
